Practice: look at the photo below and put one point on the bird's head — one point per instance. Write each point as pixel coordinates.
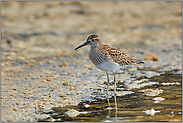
(92, 40)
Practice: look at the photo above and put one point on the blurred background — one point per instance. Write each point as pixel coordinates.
(38, 57)
(42, 27)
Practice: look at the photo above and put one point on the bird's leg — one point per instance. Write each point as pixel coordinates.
(107, 81)
(108, 88)
(116, 107)
(114, 83)
(115, 96)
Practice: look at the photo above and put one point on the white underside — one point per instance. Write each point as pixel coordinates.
(108, 66)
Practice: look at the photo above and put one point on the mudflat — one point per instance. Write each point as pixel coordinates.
(40, 68)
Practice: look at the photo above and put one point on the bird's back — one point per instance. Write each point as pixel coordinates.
(119, 57)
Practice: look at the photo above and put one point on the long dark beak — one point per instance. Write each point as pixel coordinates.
(82, 45)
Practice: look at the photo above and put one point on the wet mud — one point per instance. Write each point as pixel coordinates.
(136, 106)
(44, 79)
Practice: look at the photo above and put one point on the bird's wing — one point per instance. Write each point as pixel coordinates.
(117, 56)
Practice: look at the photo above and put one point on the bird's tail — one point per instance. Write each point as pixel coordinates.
(139, 62)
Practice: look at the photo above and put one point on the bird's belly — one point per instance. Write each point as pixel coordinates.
(108, 66)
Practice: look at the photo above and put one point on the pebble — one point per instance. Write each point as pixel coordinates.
(48, 79)
(51, 119)
(109, 108)
(44, 81)
(151, 112)
(172, 113)
(72, 75)
(64, 64)
(6, 70)
(62, 95)
(15, 108)
(72, 113)
(72, 88)
(86, 105)
(179, 112)
(158, 99)
(6, 63)
(58, 51)
(30, 64)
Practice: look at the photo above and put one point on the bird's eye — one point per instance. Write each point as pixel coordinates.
(93, 39)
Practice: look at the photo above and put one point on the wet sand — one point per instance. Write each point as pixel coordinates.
(40, 68)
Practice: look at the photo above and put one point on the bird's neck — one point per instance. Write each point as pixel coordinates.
(97, 45)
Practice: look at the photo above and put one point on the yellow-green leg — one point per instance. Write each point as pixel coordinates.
(114, 83)
(116, 107)
(108, 89)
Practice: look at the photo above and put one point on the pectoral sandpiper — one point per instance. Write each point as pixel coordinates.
(106, 57)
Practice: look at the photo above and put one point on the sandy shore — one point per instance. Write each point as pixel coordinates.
(40, 68)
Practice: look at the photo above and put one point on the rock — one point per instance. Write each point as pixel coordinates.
(158, 99)
(151, 112)
(72, 113)
(30, 64)
(48, 79)
(63, 64)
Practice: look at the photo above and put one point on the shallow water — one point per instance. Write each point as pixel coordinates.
(136, 106)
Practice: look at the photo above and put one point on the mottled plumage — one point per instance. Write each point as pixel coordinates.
(106, 57)
(118, 56)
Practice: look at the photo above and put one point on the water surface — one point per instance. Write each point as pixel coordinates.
(131, 107)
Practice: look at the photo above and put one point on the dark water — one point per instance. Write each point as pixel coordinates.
(130, 107)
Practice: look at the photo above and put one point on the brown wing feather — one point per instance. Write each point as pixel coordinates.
(118, 56)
